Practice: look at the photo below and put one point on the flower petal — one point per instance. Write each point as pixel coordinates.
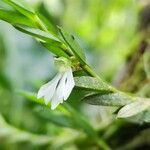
(42, 90)
(49, 94)
(69, 84)
(51, 89)
(58, 96)
(47, 90)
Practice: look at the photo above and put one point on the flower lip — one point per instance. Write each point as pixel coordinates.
(58, 89)
(47, 90)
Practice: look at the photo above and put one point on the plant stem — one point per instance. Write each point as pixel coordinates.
(90, 71)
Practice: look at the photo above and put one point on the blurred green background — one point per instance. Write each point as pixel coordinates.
(112, 33)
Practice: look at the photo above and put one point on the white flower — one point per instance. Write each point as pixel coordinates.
(59, 88)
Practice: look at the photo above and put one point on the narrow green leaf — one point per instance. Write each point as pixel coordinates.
(72, 119)
(108, 99)
(31, 96)
(134, 108)
(58, 118)
(46, 18)
(140, 118)
(93, 84)
(73, 44)
(16, 19)
(21, 6)
(48, 40)
(44, 36)
(81, 122)
(69, 116)
(57, 50)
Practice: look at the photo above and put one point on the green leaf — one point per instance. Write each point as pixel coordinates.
(72, 119)
(33, 98)
(81, 122)
(48, 40)
(57, 50)
(30, 96)
(21, 6)
(69, 116)
(134, 108)
(46, 18)
(140, 118)
(16, 19)
(73, 44)
(93, 84)
(37, 33)
(108, 99)
(58, 118)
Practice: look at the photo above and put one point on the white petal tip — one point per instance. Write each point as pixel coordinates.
(46, 103)
(53, 107)
(39, 96)
(55, 104)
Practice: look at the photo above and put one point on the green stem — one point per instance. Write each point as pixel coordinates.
(90, 71)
